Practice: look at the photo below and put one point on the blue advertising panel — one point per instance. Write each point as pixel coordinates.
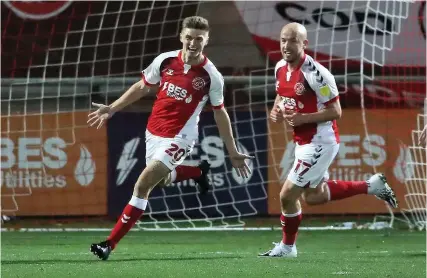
(231, 196)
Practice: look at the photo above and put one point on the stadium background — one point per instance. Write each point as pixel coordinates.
(88, 41)
(63, 185)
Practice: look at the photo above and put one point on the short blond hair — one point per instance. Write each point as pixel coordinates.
(196, 22)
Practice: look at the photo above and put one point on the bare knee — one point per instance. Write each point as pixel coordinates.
(312, 199)
(154, 174)
(142, 189)
(316, 196)
(286, 198)
(289, 196)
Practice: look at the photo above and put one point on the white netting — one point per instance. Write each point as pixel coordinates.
(99, 48)
(360, 42)
(416, 184)
(54, 65)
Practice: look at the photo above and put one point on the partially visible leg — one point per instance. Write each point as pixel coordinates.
(329, 190)
(316, 196)
(332, 190)
(149, 178)
(290, 219)
(183, 172)
(291, 212)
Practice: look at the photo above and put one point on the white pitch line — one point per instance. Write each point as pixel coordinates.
(127, 251)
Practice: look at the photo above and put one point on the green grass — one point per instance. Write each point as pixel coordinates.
(216, 254)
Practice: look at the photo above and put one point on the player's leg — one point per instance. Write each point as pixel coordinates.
(183, 172)
(149, 178)
(328, 190)
(332, 190)
(163, 155)
(290, 220)
(179, 172)
(306, 172)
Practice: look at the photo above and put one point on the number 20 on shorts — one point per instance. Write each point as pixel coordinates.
(176, 152)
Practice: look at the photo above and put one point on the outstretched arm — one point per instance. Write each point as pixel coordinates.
(224, 126)
(104, 112)
(135, 92)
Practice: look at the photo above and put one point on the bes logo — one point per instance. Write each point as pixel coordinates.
(37, 163)
(287, 103)
(37, 9)
(176, 92)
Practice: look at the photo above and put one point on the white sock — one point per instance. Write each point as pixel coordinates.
(138, 202)
(173, 175)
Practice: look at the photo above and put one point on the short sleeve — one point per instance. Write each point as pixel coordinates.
(323, 84)
(151, 75)
(216, 95)
(279, 64)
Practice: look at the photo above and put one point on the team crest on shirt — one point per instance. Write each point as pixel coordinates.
(198, 83)
(299, 89)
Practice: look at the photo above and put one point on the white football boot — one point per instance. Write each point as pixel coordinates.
(281, 250)
(378, 186)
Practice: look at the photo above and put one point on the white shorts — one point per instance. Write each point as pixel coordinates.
(311, 164)
(171, 151)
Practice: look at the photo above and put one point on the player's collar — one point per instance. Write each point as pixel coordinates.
(203, 63)
(300, 63)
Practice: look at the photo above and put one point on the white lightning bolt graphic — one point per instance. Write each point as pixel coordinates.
(126, 161)
(287, 160)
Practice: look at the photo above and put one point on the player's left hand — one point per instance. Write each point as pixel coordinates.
(293, 118)
(239, 163)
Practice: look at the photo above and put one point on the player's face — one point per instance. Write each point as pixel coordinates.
(193, 42)
(291, 45)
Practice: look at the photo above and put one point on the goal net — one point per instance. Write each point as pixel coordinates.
(58, 57)
(376, 50)
(416, 191)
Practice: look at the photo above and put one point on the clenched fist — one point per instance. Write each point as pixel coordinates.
(276, 114)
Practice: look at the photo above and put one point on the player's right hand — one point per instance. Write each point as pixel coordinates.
(99, 116)
(276, 114)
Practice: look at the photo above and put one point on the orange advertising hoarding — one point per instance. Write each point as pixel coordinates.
(53, 164)
(358, 158)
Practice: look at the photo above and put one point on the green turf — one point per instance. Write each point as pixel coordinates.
(216, 254)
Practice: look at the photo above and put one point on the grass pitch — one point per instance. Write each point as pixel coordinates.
(351, 253)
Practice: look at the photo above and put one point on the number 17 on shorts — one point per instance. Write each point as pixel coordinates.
(311, 164)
